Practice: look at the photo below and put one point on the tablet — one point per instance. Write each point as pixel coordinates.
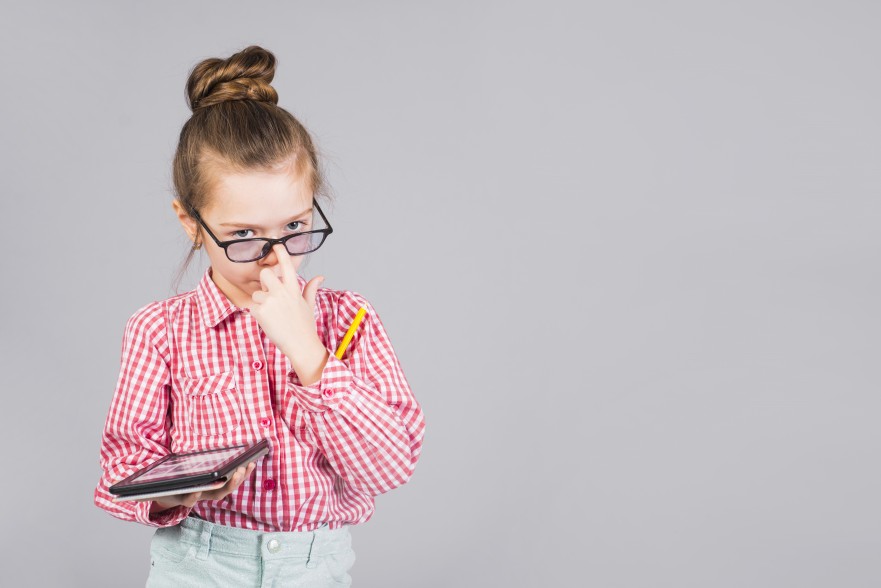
(182, 473)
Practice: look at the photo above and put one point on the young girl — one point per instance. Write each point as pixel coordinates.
(249, 354)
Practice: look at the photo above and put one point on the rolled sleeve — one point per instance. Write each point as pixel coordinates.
(328, 391)
(361, 413)
(134, 432)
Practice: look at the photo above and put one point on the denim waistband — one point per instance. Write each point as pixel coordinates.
(210, 537)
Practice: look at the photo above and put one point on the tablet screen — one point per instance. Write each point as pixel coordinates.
(179, 466)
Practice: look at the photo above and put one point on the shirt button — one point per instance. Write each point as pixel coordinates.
(257, 365)
(265, 422)
(269, 485)
(328, 393)
(273, 546)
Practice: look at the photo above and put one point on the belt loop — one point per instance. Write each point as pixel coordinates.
(309, 562)
(205, 541)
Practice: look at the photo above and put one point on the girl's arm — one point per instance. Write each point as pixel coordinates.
(361, 414)
(134, 432)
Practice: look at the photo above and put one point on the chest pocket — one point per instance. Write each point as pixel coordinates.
(212, 404)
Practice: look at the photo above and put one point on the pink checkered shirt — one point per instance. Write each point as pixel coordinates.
(198, 373)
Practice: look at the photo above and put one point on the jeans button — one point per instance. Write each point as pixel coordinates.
(273, 546)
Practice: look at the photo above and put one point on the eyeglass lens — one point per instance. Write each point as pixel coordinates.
(296, 245)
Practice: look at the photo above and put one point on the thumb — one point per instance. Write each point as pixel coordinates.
(311, 289)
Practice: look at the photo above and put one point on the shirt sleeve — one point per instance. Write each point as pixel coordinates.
(361, 414)
(135, 433)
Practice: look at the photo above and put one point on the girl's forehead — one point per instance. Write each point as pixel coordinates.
(259, 196)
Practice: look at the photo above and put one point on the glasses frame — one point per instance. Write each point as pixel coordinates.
(269, 242)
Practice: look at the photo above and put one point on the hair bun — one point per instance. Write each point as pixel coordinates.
(243, 76)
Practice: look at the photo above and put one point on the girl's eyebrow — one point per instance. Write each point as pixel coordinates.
(250, 225)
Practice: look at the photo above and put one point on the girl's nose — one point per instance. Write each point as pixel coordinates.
(272, 257)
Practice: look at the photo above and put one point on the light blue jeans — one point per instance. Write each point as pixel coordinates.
(200, 554)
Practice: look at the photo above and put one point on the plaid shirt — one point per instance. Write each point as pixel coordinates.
(198, 373)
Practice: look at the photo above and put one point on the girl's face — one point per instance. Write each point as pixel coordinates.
(249, 204)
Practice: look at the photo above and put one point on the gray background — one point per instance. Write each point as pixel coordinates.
(626, 252)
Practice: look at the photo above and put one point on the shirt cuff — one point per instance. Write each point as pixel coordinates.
(328, 391)
(166, 518)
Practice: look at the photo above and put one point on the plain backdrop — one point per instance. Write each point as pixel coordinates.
(627, 253)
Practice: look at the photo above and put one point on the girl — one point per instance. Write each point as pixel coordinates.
(249, 355)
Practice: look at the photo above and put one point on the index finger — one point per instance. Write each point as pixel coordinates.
(288, 272)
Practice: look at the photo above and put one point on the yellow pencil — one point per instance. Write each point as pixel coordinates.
(348, 338)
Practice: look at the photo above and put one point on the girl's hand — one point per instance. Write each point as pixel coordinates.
(188, 500)
(287, 316)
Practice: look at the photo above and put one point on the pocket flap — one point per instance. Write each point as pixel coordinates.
(205, 385)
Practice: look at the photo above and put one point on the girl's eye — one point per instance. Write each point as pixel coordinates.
(293, 226)
(239, 234)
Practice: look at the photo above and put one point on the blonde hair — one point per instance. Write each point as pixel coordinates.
(237, 125)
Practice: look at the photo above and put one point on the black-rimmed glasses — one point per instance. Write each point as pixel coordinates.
(254, 248)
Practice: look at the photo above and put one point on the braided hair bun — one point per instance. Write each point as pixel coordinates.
(245, 75)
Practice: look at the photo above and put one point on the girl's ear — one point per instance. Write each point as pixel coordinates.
(191, 227)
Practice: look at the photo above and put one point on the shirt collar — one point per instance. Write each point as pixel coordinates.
(214, 305)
